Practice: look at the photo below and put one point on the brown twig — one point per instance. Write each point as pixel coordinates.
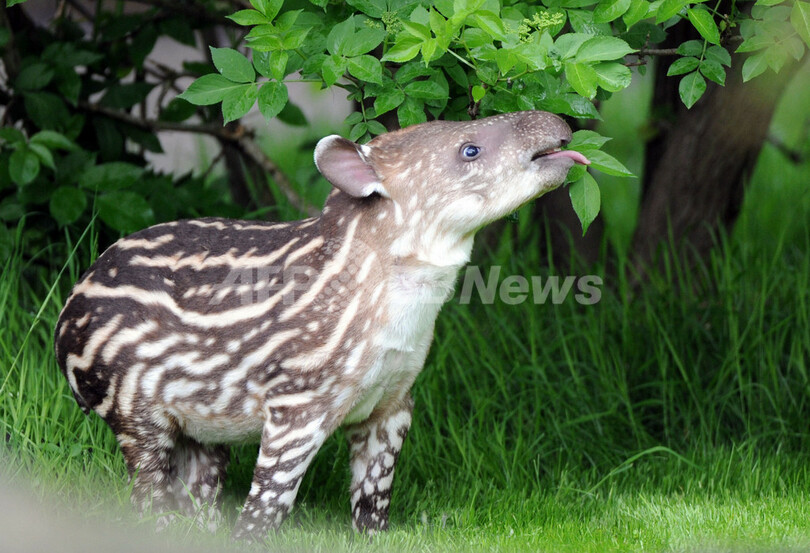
(657, 52)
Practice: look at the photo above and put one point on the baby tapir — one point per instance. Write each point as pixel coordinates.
(192, 335)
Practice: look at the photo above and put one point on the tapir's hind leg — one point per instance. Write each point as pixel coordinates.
(198, 473)
(374, 448)
(148, 454)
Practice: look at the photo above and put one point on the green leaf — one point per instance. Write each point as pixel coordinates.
(353, 118)
(333, 68)
(34, 77)
(404, 49)
(179, 28)
(66, 54)
(429, 48)
(294, 38)
(582, 22)
(125, 211)
(69, 85)
(478, 92)
(177, 110)
(373, 8)
(636, 12)
(142, 44)
(47, 110)
(606, 163)
(714, 71)
(411, 112)
(272, 65)
(756, 42)
(11, 135)
(366, 68)
(490, 23)
(691, 48)
(238, 102)
(795, 47)
(426, 90)
(691, 88)
(718, 54)
(568, 45)
(668, 9)
(209, 89)
(602, 48)
(264, 38)
(800, 19)
(249, 17)
(67, 204)
(754, 65)
(505, 60)
(268, 7)
(375, 127)
(608, 10)
(582, 78)
(583, 138)
(357, 132)
(286, 20)
(364, 41)
(233, 65)
(704, 23)
(683, 65)
(292, 115)
(412, 71)
(23, 166)
(44, 154)
(273, 96)
(586, 200)
(124, 96)
(776, 55)
(613, 76)
(110, 176)
(417, 29)
(339, 37)
(388, 100)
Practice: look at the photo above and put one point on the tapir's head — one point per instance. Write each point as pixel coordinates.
(443, 180)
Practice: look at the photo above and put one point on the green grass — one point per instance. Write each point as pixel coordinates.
(650, 421)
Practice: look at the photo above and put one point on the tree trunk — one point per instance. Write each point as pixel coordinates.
(697, 166)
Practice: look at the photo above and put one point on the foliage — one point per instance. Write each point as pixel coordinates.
(69, 147)
(76, 131)
(464, 58)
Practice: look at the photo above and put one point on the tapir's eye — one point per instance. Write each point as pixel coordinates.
(469, 152)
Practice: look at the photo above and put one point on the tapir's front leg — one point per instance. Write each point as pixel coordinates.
(289, 442)
(375, 445)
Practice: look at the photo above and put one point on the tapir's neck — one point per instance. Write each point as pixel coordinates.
(400, 234)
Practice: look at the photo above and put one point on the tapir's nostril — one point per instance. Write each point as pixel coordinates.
(564, 142)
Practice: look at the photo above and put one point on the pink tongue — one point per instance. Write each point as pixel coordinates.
(576, 156)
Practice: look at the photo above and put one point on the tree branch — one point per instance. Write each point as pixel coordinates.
(794, 155)
(242, 138)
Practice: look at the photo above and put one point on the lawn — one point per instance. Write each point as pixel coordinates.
(672, 417)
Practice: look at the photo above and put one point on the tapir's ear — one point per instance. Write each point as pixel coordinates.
(342, 162)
